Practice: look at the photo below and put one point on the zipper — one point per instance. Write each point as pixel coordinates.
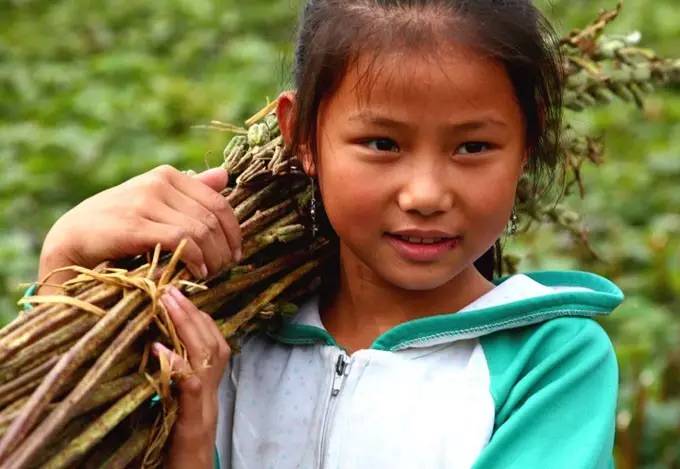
(339, 376)
(340, 372)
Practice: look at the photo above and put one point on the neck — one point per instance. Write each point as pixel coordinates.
(364, 306)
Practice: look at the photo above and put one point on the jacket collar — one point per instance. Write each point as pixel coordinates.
(516, 301)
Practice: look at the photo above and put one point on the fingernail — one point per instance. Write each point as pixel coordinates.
(157, 348)
(174, 291)
(169, 302)
(195, 271)
(204, 271)
(238, 255)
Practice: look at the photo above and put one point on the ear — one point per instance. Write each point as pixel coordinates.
(285, 113)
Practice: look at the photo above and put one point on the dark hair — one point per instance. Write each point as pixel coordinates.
(334, 33)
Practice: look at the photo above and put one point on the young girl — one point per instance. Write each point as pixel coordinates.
(417, 120)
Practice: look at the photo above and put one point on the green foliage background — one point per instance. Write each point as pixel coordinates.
(92, 94)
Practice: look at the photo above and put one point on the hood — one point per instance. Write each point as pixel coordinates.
(516, 301)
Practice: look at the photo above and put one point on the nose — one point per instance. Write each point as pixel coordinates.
(425, 192)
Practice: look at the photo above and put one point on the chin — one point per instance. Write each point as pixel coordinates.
(427, 280)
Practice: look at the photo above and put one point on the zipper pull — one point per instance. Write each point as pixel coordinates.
(341, 370)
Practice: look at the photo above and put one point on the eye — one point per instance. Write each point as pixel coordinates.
(382, 144)
(472, 147)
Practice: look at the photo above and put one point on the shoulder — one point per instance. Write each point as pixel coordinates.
(556, 336)
(575, 351)
(253, 348)
(261, 354)
(547, 380)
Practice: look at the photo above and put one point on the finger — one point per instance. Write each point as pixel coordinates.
(215, 203)
(189, 332)
(216, 338)
(210, 333)
(194, 229)
(220, 358)
(219, 253)
(221, 208)
(215, 178)
(202, 321)
(189, 385)
(178, 365)
(223, 349)
(214, 355)
(148, 233)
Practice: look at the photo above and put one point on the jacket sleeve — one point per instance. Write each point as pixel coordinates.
(555, 390)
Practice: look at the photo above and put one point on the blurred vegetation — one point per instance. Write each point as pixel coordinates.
(90, 96)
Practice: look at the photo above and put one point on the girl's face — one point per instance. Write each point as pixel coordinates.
(419, 146)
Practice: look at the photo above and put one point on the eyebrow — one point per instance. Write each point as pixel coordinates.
(387, 122)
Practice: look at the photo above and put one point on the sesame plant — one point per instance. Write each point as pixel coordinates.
(599, 69)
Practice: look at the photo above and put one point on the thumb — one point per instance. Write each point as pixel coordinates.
(215, 178)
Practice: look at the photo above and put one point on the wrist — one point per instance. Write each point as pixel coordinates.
(54, 256)
(198, 455)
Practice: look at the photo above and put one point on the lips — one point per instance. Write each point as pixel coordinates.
(419, 240)
(422, 249)
(417, 233)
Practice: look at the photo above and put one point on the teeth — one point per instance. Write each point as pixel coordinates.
(413, 239)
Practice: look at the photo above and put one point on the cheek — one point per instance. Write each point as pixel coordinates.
(490, 199)
(351, 196)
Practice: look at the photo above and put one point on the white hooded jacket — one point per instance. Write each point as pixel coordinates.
(520, 378)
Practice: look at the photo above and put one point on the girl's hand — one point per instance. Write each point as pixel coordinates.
(162, 206)
(193, 440)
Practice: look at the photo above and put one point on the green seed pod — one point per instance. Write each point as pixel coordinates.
(272, 122)
(642, 73)
(235, 154)
(238, 140)
(646, 87)
(578, 81)
(622, 75)
(580, 146)
(587, 100)
(602, 95)
(569, 134)
(288, 309)
(574, 105)
(637, 94)
(571, 100)
(258, 134)
(622, 92)
(568, 217)
(609, 47)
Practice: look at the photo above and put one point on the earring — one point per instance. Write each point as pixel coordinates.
(514, 225)
(312, 208)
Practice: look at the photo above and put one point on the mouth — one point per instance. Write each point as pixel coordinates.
(422, 246)
(421, 240)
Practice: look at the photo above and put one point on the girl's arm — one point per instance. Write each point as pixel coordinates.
(555, 389)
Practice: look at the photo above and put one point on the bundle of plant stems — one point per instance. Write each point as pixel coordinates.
(76, 381)
(77, 386)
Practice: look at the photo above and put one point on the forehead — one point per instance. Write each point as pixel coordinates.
(440, 83)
